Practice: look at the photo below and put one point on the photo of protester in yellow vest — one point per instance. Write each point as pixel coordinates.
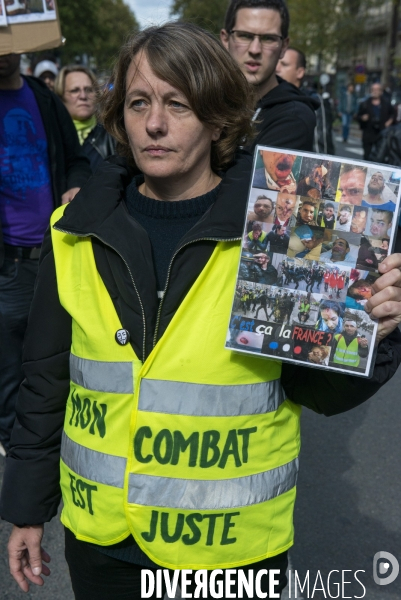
(168, 450)
(349, 347)
(256, 241)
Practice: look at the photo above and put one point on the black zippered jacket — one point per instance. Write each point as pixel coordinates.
(286, 119)
(98, 145)
(122, 251)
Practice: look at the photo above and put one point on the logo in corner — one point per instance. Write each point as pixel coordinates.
(385, 564)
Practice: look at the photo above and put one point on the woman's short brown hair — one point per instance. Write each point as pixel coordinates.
(193, 61)
(59, 84)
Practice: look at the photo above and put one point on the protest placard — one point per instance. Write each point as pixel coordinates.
(28, 26)
(317, 228)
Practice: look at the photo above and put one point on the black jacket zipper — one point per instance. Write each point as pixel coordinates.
(211, 239)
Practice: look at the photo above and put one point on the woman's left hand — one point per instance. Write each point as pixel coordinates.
(385, 304)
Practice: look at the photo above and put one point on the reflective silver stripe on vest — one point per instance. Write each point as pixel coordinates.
(195, 399)
(190, 494)
(93, 465)
(101, 376)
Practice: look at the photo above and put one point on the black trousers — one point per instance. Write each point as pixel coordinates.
(96, 576)
(17, 278)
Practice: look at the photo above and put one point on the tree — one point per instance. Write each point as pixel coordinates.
(206, 13)
(329, 29)
(390, 64)
(96, 28)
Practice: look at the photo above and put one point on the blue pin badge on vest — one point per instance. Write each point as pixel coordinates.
(122, 337)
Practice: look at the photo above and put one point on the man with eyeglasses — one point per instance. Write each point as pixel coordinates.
(41, 167)
(256, 35)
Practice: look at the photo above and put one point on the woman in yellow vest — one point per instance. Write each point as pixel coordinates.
(169, 451)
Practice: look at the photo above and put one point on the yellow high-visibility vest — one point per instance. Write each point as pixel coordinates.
(346, 355)
(195, 451)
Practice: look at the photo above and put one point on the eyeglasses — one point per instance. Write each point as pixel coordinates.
(350, 191)
(245, 38)
(88, 91)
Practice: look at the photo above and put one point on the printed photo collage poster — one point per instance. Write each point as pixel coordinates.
(26, 11)
(316, 229)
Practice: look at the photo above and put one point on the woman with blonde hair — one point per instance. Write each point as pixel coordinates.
(77, 87)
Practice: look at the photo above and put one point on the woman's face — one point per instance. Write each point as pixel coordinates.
(79, 96)
(330, 318)
(166, 137)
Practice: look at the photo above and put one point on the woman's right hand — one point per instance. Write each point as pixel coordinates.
(25, 556)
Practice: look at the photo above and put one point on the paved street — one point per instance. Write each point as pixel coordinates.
(349, 491)
(353, 147)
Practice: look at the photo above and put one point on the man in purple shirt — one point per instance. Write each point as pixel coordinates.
(41, 167)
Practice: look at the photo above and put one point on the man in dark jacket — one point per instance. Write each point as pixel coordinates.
(256, 35)
(257, 268)
(292, 68)
(374, 115)
(387, 149)
(278, 239)
(41, 167)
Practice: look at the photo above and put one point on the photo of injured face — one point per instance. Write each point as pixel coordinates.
(361, 290)
(277, 171)
(306, 242)
(261, 206)
(367, 259)
(344, 217)
(319, 355)
(284, 209)
(330, 316)
(373, 222)
(379, 223)
(351, 184)
(318, 178)
(340, 249)
(378, 192)
(359, 219)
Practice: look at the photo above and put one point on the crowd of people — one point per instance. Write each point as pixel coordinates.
(273, 303)
(113, 319)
